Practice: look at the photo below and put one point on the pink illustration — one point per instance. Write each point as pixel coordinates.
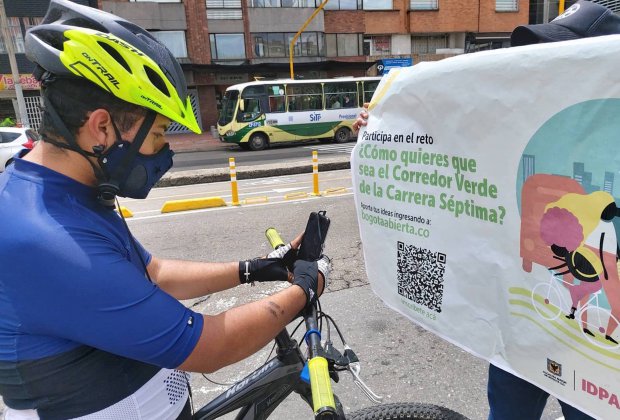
(570, 233)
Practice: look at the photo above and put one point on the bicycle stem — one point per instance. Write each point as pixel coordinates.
(324, 405)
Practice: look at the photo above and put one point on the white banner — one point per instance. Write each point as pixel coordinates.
(486, 190)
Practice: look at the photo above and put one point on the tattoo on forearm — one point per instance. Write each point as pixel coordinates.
(275, 309)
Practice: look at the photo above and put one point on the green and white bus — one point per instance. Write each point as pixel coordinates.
(256, 114)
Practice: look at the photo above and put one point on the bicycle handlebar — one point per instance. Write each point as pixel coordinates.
(323, 401)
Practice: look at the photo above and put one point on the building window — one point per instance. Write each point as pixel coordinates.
(269, 45)
(173, 40)
(378, 5)
(298, 3)
(224, 9)
(428, 44)
(343, 5)
(276, 44)
(506, 5)
(227, 46)
(344, 45)
(283, 3)
(424, 4)
(377, 45)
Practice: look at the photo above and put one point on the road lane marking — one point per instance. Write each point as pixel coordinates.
(236, 208)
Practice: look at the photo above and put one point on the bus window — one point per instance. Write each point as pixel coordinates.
(304, 97)
(369, 88)
(276, 98)
(340, 95)
(253, 91)
(229, 103)
(250, 111)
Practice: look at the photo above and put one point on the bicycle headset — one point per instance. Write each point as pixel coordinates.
(75, 41)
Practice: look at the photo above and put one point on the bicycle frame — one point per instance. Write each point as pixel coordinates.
(263, 390)
(259, 393)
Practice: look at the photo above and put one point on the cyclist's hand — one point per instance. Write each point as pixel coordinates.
(277, 266)
(362, 119)
(288, 253)
(312, 277)
(262, 269)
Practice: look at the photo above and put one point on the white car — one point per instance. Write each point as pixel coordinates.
(14, 139)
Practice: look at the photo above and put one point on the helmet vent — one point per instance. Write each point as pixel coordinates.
(156, 80)
(85, 23)
(115, 55)
(55, 39)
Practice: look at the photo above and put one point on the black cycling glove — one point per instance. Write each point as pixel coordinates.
(306, 276)
(275, 267)
(262, 269)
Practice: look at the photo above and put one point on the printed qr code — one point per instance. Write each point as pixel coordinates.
(420, 275)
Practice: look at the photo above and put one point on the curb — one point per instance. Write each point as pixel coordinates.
(192, 204)
(203, 176)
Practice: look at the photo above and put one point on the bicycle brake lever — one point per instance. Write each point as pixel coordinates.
(354, 367)
(334, 355)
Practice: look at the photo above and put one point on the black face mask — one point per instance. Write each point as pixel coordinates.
(142, 173)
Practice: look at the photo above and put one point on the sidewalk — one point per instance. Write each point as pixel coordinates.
(191, 142)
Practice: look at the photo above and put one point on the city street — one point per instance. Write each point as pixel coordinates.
(210, 153)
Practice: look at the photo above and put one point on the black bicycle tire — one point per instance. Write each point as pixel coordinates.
(406, 411)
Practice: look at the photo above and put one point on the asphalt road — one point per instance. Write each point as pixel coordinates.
(278, 153)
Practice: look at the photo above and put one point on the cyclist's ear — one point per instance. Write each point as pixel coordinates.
(610, 212)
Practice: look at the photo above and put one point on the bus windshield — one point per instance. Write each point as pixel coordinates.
(229, 103)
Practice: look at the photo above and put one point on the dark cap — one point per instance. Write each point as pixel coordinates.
(583, 19)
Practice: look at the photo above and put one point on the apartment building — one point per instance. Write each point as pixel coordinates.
(223, 42)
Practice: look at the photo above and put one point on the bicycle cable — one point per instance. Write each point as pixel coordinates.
(264, 363)
(323, 314)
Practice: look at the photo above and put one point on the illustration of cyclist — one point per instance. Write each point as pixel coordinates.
(579, 230)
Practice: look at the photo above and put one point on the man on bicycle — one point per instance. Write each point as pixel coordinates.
(91, 326)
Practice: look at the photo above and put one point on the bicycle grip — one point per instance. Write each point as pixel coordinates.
(274, 238)
(320, 383)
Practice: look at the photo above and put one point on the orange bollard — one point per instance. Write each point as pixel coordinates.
(233, 181)
(315, 172)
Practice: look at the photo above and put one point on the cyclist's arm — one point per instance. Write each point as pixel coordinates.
(240, 332)
(190, 279)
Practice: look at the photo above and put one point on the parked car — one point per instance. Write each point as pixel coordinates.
(14, 139)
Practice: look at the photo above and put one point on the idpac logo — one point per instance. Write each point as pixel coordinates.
(315, 116)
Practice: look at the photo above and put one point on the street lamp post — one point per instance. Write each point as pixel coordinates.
(294, 40)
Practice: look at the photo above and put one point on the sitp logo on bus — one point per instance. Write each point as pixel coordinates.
(600, 392)
(315, 116)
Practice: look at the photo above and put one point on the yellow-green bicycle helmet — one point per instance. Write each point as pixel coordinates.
(113, 53)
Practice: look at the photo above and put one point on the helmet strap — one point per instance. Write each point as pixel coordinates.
(69, 138)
